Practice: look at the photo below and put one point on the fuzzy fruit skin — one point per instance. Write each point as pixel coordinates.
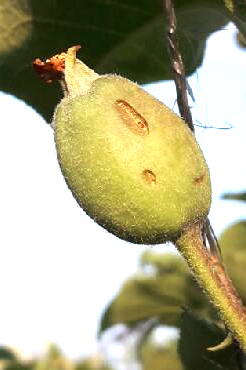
(104, 158)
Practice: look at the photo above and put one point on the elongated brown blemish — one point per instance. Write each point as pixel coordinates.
(150, 177)
(199, 179)
(133, 118)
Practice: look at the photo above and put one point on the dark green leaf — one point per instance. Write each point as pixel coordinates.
(195, 337)
(119, 36)
(106, 319)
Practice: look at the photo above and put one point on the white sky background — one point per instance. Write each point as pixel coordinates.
(58, 269)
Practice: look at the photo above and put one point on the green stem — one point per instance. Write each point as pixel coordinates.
(213, 279)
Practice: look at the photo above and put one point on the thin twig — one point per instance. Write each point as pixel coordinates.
(177, 65)
(182, 100)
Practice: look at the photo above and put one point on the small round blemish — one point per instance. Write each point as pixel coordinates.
(199, 179)
(150, 177)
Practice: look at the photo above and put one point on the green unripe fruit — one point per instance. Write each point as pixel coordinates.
(131, 163)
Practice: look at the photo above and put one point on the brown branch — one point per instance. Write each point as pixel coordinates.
(182, 100)
(177, 65)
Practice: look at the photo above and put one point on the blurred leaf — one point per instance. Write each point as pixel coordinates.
(6, 354)
(14, 365)
(140, 299)
(157, 357)
(162, 263)
(172, 264)
(10, 361)
(94, 362)
(235, 196)
(117, 36)
(195, 337)
(161, 295)
(106, 319)
(233, 246)
(53, 360)
(233, 238)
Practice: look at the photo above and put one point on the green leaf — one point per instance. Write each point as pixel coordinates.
(141, 298)
(233, 238)
(119, 36)
(233, 247)
(53, 360)
(19, 366)
(195, 337)
(106, 319)
(93, 362)
(162, 263)
(158, 357)
(144, 298)
(160, 295)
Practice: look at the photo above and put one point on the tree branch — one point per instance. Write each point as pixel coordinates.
(177, 65)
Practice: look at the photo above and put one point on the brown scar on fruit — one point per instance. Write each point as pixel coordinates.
(136, 120)
(150, 177)
(199, 179)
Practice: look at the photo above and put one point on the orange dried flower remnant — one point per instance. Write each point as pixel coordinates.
(52, 69)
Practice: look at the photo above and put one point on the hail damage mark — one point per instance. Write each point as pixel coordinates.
(133, 118)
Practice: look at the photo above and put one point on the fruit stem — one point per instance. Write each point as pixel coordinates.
(212, 277)
(78, 77)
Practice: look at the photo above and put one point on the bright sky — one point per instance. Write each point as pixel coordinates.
(58, 269)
